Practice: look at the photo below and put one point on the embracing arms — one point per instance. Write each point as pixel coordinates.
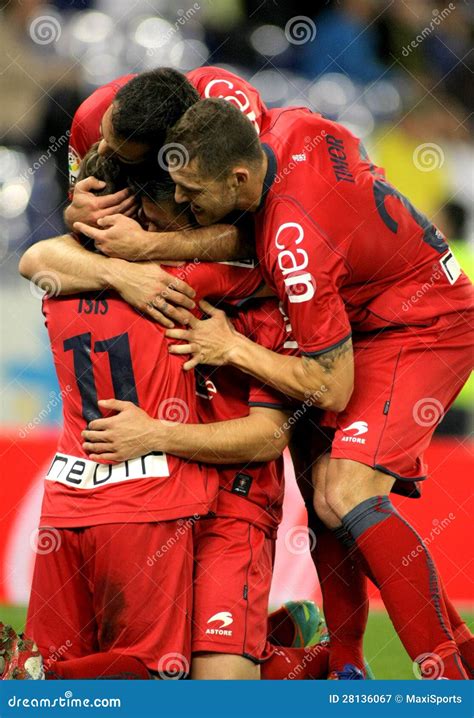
(260, 436)
(326, 379)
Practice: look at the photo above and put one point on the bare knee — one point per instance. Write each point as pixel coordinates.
(223, 667)
(323, 509)
(348, 483)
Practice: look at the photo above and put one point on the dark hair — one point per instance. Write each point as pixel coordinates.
(103, 168)
(218, 135)
(147, 106)
(158, 189)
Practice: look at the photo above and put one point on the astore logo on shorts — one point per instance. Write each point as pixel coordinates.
(356, 429)
(225, 619)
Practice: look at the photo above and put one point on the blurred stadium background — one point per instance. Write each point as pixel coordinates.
(396, 73)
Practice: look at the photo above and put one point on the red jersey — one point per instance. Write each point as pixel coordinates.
(103, 348)
(341, 247)
(208, 81)
(252, 492)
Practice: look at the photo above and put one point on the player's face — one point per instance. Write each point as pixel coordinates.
(210, 199)
(127, 152)
(165, 216)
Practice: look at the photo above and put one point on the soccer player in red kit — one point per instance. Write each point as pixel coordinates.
(346, 254)
(244, 429)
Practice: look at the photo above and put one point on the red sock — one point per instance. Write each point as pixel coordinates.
(462, 634)
(296, 664)
(99, 665)
(345, 600)
(409, 585)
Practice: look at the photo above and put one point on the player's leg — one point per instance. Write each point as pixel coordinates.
(462, 635)
(142, 594)
(60, 613)
(343, 582)
(380, 436)
(232, 579)
(224, 667)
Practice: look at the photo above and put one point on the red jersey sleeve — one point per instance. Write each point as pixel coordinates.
(216, 82)
(306, 272)
(85, 129)
(220, 280)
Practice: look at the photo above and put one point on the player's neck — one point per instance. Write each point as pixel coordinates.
(252, 194)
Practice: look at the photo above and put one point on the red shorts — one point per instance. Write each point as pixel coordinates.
(115, 587)
(404, 384)
(233, 575)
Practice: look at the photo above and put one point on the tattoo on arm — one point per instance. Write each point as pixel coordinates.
(327, 360)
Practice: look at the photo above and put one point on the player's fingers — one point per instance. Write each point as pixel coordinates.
(110, 200)
(99, 424)
(90, 183)
(114, 404)
(91, 447)
(177, 334)
(209, 309)
(191, 363)
(174, 297)
(95, 435)
(179, 286)
(122, 208)
(184, 348)
(158, 316)
(108, 220)
(92, 232)
(132, 211)
(101, 458)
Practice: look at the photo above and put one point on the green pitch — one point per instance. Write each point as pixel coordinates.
(383, 649)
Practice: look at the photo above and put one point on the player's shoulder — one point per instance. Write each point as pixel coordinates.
(263, 321)
(302, 128)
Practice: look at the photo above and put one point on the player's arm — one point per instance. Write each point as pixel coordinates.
(119, 236)
(63, 266)
(326, 378)
(260, 436)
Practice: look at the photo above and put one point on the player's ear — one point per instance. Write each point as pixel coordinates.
(240, 176)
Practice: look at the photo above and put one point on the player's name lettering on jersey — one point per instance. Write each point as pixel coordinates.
(300, 285)
(338, 157)
(81, 473)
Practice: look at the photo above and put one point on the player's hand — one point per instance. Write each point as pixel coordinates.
(118, 236)
(209, 340)
(128, 434)
(151, 290)
(89, 208)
